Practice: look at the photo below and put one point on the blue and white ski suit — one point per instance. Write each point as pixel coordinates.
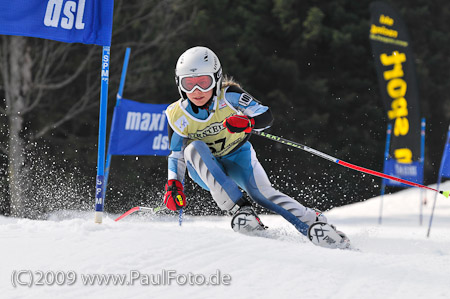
(222, 175)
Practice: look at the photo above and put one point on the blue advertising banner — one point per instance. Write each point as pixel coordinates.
(139, 129)
(412, 172)
(78, 21)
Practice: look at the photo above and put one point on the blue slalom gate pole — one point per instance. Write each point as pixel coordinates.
(119, 97)
(123, 76)
(422, 161)
(99, 203)
(441, 168)
(383, 181)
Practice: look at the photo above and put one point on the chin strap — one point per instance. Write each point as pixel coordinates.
(194, 108)
(204, 107)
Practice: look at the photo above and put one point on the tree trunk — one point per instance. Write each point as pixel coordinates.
(17, 86)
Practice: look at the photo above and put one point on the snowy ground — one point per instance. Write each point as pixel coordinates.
(394, 260)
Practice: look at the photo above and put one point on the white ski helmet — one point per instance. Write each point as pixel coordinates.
(195, 62)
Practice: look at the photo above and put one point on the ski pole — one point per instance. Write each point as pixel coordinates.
(180, 217)
(343, 163)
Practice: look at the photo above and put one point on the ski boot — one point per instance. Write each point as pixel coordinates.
(245, 220)
(322, 234)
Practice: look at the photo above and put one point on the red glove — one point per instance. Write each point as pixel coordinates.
(174, 197)
(239, 123)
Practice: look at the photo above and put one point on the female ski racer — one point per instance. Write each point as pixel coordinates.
(209, 128)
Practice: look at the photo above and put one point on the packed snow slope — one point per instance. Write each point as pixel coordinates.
(391, 260)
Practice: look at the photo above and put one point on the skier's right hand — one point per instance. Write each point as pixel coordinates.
(239, 123)
(174, 197)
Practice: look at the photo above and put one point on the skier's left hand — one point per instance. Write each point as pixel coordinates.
(239, 123)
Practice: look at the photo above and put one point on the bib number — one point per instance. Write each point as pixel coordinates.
(220, 142)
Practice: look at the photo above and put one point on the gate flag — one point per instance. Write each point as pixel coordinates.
(69, 21)
(139, 129)
(394, 63)
(79, 21)
(444, 170)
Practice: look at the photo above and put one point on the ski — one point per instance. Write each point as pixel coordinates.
(143, 209)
